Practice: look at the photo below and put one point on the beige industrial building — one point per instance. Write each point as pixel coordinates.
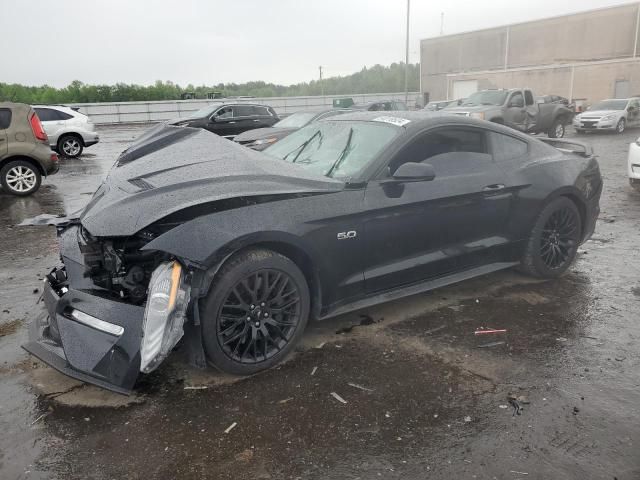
(585, 56)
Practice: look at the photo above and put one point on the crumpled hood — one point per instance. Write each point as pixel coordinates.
(260, 133)
(172, 168)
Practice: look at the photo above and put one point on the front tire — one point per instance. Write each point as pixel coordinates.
(70, 146)
(621, 126)
(255, 312)
(20, 177)
(554, 240)
(557, 130)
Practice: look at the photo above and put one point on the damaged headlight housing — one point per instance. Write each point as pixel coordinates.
(164, 314)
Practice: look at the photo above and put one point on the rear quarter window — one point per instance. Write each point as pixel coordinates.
(506, 148)
(261, 111)
(5, 118)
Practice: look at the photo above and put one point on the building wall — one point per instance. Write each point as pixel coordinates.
(579, 55)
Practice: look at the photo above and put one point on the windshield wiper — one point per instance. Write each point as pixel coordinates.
(303, 146)
(342, 156)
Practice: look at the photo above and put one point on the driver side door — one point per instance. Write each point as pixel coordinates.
(515, 115)
(419, 230)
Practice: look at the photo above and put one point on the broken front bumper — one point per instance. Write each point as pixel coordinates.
(83, 334)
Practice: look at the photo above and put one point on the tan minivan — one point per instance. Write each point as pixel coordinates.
(25, 154)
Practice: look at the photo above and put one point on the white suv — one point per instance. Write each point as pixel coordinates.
(69, 131)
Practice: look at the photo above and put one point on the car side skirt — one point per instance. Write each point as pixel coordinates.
(406, 291)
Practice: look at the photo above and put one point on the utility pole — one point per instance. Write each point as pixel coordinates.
(406, 59)
(321, 84)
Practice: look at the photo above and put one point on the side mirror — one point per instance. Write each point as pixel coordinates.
(412, 171)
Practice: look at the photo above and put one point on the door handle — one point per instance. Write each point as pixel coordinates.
(256, 120)
(232, 122)
(496, 187)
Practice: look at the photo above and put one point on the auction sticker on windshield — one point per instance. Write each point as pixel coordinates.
(393, 120)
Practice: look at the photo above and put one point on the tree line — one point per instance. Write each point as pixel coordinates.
(376, 79)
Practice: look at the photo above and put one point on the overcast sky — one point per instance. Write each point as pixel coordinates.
(212, 41)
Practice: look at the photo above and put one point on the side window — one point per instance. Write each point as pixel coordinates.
(46, 114)
(61, 115)
(224, 112)
(505, 147)
(243, 111)
(528, 97)
(430, 147)
(516, 99)
(5, 118)
(261, 111)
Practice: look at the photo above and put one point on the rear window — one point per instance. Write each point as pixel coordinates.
(506, 148)
(5, 118)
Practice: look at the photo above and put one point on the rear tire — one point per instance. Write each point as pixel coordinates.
(20, 178)
(255, 312)
(70, 146)
(557, 130)
(554, 240)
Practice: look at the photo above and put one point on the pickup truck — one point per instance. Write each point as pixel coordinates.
(518, 109)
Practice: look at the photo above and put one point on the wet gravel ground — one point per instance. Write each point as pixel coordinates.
(424, 397)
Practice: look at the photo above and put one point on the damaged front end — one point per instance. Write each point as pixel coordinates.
(112, 310)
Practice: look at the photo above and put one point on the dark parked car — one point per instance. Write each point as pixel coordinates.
(229, 120)
(261, 138)
(381, 106)
(25, 155)
(238, 249)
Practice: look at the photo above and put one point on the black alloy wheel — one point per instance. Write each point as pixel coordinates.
(554, 240)
(559, 238)
(255, 312)
(259, 316)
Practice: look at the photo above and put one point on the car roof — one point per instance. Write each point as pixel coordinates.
(415, 120)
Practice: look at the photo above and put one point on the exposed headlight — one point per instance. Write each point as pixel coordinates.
(264, 141)
(164, 314)
(478, 115)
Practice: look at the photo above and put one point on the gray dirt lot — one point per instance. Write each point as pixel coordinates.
(434, 398)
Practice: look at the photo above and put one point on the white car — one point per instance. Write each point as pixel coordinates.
(633, 165)
(613, 114)
(69, 131)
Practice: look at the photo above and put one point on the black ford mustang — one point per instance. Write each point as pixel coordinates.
(194, 236)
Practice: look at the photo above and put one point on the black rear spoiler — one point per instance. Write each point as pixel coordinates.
(569, 146)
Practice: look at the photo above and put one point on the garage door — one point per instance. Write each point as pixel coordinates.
(463, 88)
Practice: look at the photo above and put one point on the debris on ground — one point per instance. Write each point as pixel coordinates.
(338, 397)
(561, 339)
(36, 290)
(367, 320)
(196, 387)
(513, 401)
(523, 400)
(285, 400)
(231, 427)
(576, 410)
(489, 345)
(518, 473)
(40, 418)
(620, 359)
(355, 385)
(504, 407)
(321, 345)
(313, 372)
(436, 329)
(467, 419)
(483, 331)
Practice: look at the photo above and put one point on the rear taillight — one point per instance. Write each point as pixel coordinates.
(36, 128)
(54, 158)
